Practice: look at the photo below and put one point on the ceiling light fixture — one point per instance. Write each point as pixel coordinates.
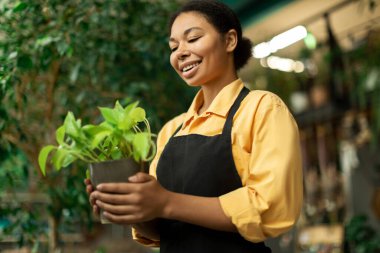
(283, 64)
(280, 41)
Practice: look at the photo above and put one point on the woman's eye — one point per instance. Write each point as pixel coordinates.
(173, 49)
(193, 39)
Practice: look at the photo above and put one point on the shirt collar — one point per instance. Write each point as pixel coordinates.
(219, 106)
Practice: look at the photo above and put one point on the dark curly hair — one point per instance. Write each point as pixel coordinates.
(223, 19)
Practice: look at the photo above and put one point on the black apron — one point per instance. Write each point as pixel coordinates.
(202, 166)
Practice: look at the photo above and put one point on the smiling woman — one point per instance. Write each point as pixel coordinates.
(198, 49)
(227, 173)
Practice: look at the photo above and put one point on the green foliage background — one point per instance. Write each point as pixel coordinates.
(75, 55)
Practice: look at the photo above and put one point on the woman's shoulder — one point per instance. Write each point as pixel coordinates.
(171, 126)
(263, 99)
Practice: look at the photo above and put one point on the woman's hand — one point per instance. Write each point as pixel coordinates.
(141, 199)
(89, 190)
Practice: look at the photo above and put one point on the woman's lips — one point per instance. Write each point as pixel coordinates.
(191, 72)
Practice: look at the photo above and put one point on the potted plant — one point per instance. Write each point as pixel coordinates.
(116, 148)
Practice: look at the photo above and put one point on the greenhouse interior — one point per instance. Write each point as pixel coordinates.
(322, 58)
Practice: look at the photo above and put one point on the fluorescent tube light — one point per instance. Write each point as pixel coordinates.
(283, 64)
(261, 50)
(279, 42)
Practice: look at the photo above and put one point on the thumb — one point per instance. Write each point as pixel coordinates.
(140, 177)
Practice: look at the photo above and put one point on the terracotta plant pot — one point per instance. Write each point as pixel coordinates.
(116, 171)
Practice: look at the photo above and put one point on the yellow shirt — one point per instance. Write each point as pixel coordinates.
(266, 151)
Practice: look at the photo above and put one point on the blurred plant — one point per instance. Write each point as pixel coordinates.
(27, 227)
(73, 55)
(364, 72)
(17, 219)
(361, 237)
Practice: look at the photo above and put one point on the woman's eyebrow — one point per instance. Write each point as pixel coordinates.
(186, 32)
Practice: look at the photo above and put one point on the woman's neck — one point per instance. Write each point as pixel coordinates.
(211, 90)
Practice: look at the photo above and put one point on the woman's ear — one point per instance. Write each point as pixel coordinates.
(231, 40)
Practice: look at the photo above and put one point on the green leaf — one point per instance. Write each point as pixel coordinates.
(71, 125)
(68, 159)
(116, 154)
(74, 73)
(108, 114)
(20, 6)
(130, 107)
(126, 123)
(12, 55)
(136, 156)
(78, 123)
(44, 41)
(99, 137)
(106, 125)
(62, 47)
(42, 157)
(138, 114)
(88, 174)
(129, 137)
(102, 157)
(60, 135)
(24, 62)
(141, 145)
(58, 158)
(118, 106)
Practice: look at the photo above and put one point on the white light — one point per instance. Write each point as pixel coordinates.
(279, 42)
(287, 38)
(261, 50)
(263, 63)
(284, 64)
(298, 67)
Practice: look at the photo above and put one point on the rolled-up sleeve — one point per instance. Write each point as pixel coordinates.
(270, 201)
(143, 240)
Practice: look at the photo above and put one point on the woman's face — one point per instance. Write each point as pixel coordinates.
(199, 53)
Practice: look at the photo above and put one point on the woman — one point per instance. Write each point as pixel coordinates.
(227, 173)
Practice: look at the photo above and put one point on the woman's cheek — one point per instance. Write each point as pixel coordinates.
(173, 62)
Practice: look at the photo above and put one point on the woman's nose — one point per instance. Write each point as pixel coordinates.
(182, 52)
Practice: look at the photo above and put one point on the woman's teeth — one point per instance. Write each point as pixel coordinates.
(187, 68)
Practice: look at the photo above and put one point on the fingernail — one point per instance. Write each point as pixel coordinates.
(99, 187)
(132, 178)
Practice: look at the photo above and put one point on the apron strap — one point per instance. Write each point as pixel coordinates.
(228, 125)
(177, 130)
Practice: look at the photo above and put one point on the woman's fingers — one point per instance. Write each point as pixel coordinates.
(89, 190)
(123, 219)
(141, 199)
(140, 177)
(95, 210)
(118, 188)
(116, 199)
(89, 187)
(92, 198)
(117, 209)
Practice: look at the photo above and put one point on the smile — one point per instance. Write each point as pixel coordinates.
(189, 67)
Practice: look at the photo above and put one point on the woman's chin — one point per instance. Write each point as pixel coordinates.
(192, 83)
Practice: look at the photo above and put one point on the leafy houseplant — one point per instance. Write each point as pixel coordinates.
(118, 136)
(115, 149)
